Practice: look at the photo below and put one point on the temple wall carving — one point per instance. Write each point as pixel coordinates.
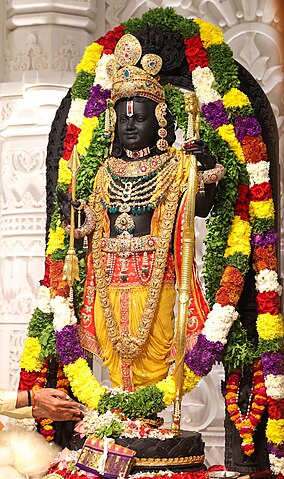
(42, 44)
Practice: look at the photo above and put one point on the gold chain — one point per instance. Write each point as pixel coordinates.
(128, 346)
(139, 193)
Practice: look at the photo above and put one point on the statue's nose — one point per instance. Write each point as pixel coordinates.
(131, 123)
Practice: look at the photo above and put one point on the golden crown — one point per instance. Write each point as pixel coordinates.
(127, 79)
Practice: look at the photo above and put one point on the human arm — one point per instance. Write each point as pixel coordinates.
(8, 404)
(48, 402)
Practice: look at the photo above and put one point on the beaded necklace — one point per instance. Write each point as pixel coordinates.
(132, 188)
(137, 193)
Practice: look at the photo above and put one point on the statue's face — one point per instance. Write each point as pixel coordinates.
(137, 126)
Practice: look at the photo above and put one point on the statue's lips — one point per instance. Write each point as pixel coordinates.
(131, 135)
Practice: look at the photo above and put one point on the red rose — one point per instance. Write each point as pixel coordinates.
(242, 204)
(261, 192)
(254, 149)
(195, 53)
(268, 302)
(46, 280)
(27, 380)
(111, 38)
(71, 138)
(275, 408)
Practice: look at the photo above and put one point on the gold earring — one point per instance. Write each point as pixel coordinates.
(160, 112)
(110, 120)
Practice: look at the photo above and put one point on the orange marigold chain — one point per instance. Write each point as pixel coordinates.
(246, 424)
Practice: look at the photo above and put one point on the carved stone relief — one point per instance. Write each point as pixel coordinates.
(67, 57)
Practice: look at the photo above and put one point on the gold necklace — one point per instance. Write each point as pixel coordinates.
(128, 346)
(133, 169)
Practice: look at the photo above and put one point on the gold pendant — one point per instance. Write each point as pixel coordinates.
(124, 222)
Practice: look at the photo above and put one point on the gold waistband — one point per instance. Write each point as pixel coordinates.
(127, 243)
(168, 461)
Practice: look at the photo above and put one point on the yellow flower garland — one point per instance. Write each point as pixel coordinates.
(56, 239)
(90, 58)
(88, 392)
(85, 136)
(227, 133)
(275, 431)
(262, 209)
(239, 237)
(235, 99)
(64, 174)
(209, 33)
(29, 358)
(269, 326)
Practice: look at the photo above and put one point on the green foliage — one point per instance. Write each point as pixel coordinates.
(261, 225)
(219, 222)
(41, 327)
(223, 67)
(166, 19)
(38, 322)
(47, 341)
(90, 163)
(239, 261)
(239, 111)
(141, 403)
(114, 429)
(55, 218)
(175, 102)
(270, 345)
(82, 85)
(60, 254)
(239, 352)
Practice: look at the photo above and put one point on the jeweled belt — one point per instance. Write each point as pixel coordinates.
(126, 242)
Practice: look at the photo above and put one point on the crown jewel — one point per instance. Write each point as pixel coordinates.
(130, 80)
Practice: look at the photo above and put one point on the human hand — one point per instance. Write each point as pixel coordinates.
(200, 149)
(56, 405)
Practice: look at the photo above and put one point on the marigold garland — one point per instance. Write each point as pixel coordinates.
(246, 424)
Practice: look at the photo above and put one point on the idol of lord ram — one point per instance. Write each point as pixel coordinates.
(115, 257)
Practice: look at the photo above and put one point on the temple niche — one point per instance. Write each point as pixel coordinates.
(37, 70)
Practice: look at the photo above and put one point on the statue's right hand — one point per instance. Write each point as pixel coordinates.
(64, 203)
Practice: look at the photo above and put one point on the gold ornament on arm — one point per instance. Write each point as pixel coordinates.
(186, 262)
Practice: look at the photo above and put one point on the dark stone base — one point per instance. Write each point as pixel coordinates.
(148, 451)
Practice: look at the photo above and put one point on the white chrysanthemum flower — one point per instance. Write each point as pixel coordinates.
(276, 464)
(267, 280)
(219, 322)
(101, 77)
(203, 79)
(43, 299)
(258, 172)
(207, 95)
(275, 386)
(76, 112)
(63, 314)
